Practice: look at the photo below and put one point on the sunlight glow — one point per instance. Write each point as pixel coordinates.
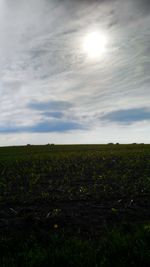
(95, 44)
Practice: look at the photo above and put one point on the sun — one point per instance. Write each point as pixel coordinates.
(95, 44)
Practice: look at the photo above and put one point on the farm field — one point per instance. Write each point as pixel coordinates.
(63, 204)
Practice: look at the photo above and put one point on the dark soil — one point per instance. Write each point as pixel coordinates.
(83, 217)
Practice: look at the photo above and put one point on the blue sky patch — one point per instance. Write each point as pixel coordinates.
(43, 127)
(127, 116)
(49, 105)
(53, 114)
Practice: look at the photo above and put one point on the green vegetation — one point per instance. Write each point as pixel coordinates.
(115, 249)
(75, 205)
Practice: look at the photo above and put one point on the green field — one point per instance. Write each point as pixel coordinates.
(75, 205)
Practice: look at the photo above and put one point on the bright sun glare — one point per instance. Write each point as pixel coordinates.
(94, 44)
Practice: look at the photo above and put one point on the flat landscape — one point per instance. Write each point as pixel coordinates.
(93, 197)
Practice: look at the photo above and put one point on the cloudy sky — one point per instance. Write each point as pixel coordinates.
(53, 91)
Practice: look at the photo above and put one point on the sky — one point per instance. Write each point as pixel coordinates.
(52, 91)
